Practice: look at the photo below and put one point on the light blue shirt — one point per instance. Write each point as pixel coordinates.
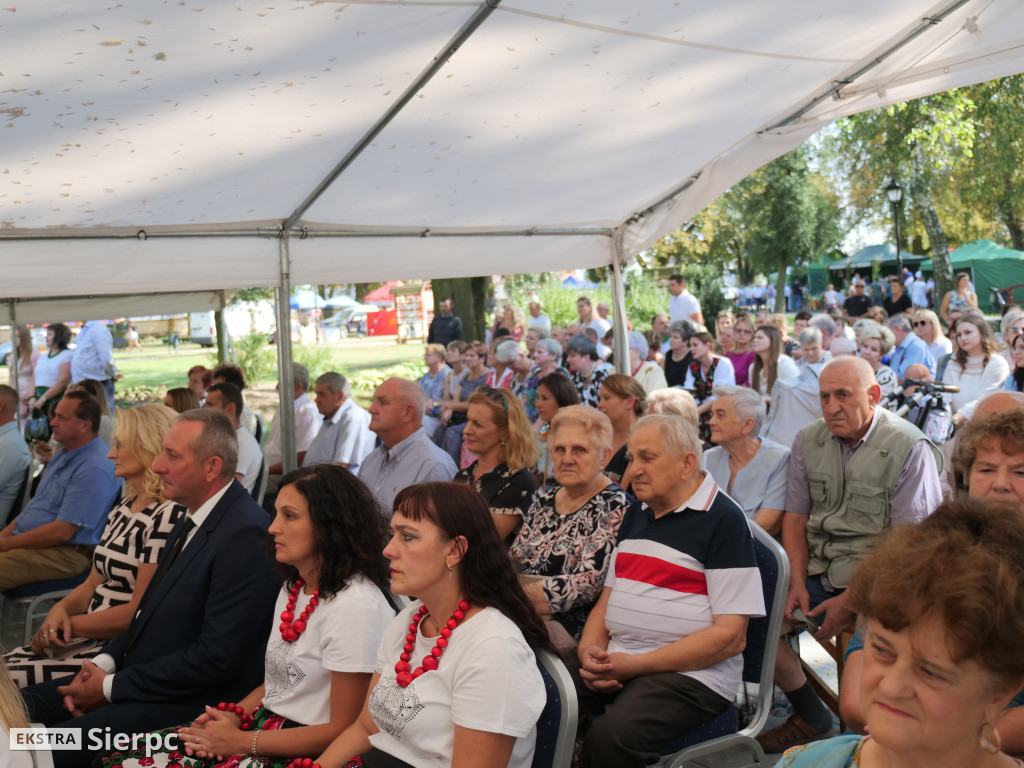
(14, 461)
(94, 353)
(912, 350)
(345, 438)
(414, 460)
(78, 487)
(762, 483)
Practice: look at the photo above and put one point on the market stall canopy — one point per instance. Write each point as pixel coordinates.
(883, 255)
(991, 266)
(153, 146)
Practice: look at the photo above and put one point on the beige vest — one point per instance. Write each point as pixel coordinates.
(849, 509)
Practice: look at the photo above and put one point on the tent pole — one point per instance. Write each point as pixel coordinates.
(14, 360)
(285, 374)
(619, 306)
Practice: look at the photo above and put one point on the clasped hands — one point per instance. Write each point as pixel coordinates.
(84, 693)
(215, 734)
(605, 672)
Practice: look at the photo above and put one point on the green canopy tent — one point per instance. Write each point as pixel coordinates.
(864, 260)
(818, 276)
(991, 266)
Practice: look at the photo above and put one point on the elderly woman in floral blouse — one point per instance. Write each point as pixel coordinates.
(570, 529)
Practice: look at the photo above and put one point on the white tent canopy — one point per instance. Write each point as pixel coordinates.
(159, 146)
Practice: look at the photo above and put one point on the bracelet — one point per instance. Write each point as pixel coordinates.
(255, 736)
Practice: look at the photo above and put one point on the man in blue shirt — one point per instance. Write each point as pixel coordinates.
(55, 535)
(94, 357)
(910, 348)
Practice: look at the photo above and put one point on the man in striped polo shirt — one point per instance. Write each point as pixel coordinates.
(660, 652)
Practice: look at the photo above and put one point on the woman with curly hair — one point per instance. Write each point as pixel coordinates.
(331, 615)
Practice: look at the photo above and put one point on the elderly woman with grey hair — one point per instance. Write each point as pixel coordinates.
(753, 470)
(547, 356)
(645, 371)
(877, 341)
(505, 371)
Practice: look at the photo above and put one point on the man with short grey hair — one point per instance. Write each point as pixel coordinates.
(344, 437)
(406, 455)
(306, 425)
(829, 332)
(910, 348)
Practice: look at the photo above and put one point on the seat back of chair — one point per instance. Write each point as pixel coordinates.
(556, 726)
(24, 494)
(259, 488)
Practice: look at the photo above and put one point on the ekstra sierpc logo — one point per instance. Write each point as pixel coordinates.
(46, 738)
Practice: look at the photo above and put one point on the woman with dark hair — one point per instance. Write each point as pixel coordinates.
(770, 362)
(181, 399)
(453, 412)
(1015, 381)
(200, 379)
(976, 367)
(332, 614)
(505, 446)
(623, 401)
(942, 611)
(707, 371)
(741, 355)
(554, 391)
(53, 374)
(456, 682)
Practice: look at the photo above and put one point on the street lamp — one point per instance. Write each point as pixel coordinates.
(895, 193)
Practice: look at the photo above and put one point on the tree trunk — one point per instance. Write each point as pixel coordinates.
(469, 294)
(780, 287)
(942, 270)
(1016, 227)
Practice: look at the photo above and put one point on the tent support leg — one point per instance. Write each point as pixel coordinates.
(619, 323)
(14, 359)
(285, 374)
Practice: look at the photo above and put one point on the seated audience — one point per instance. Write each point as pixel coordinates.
(123, 563)
(588, 370)
(181, 399)
(753, 470)
(54, 536)
(554, 391)
(477, 695)
(505, 446)
(770, 362)
(811, 350)
(677, 357)
(453, 411)
(647, 372)
(707, 371)
(307, 423)
(790, 346)
(801, 322)
(344, 437)
(14, 453)
(842, 347)
(231, 373)
(876, 341)
(317, 668)
(928, 328)
(1010, 327)
(547, 355)
(504, 373)
(201, 627)
(107, 422)
(942, 654)
(674, 402)
(199, 380)
(227, 398)
(977, 367)
(909, 347)
(534, 333)
(1015, 381)
(406, 455)
(741, 356)
(623, 401)
(652, 664)
(570, 530)
(432, 382)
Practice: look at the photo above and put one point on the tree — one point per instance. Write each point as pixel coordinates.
(791, 218)
(470, 296)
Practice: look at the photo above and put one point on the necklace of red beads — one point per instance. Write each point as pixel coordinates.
(291, 627)
(404, 673)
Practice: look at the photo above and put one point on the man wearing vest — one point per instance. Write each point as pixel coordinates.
(852, 474)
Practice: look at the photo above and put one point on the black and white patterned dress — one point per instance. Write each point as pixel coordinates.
(128, 540)
(507, 492)
(571, 551)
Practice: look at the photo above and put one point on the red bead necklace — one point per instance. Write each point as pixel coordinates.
(290, 630)
(402, 668)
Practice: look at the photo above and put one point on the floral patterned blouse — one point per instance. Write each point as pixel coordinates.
(571, 551)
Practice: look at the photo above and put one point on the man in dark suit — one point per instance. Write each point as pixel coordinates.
(201, 629)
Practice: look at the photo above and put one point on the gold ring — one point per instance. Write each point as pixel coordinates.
(51, 629)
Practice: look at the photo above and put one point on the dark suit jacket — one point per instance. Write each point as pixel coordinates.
(201, 635)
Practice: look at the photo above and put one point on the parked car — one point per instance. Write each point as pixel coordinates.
(348, 322)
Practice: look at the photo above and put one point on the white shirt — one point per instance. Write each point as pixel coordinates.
(541, 320)
(307, 422)
(250, 459)
(683, 307)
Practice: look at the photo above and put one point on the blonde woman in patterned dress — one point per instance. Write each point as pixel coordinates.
(123, 563)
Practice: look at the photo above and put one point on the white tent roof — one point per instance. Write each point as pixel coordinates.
(158, 145)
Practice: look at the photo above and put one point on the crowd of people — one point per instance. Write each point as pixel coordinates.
(523, 496)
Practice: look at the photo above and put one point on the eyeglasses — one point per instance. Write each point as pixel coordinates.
(746, 331)
(920, 323)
